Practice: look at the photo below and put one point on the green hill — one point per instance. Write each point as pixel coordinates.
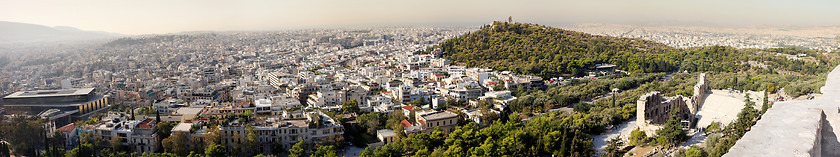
(549, 52)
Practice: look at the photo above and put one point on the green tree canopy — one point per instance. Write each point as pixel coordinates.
(215, 150)
(299, 149)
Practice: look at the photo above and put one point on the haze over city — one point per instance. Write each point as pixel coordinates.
(388, 78)
(163, 16)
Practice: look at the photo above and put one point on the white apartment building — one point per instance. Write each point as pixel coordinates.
(138, 135)
(327, 100)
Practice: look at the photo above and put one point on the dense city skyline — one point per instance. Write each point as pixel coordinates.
(377, 78)
(155, 17)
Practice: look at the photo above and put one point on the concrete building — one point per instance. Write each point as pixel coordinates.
(286, 131)
(386, 136)
(279, 103)
(500, 98)
(444, 119)
(138, 135)
(327, 100)
(72, 104)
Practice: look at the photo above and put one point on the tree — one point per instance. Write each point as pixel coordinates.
(83, 150)
(4, 148)
(177, 144)
(215, 150)
(765, 105)
(351, 106)
(746, 118)
(213, 135)
(324, 151)
(87, 138)
(391, 149)
(55, 145)
(412, 116)
(277, 147)
(672, 133)
(24, 134)
(368, 152)
(712, 128)
(299, 149)
(394, 119)
(371, 122)
(613, 148)
(582, 107)
(638, 137)
(164, 129)
(52, 151)
(108, 152)
(418, 102)
(157, 117)
(159, 155)
(251, 142)
(771, 87)
(694, 152)
(193, 154)
(116, 144)
(498, 87)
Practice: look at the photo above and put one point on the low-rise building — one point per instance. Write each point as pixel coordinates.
(445, 120)
(138, 135)
(386, 136)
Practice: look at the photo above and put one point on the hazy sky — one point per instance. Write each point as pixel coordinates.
(170, 16)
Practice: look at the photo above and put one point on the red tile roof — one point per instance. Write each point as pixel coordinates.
(67, 128)
(406, 123)
(408, 107)
(146, 124)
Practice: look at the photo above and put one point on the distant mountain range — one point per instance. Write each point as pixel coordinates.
(12, 32)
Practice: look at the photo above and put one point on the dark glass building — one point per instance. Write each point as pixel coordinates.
(62, 105)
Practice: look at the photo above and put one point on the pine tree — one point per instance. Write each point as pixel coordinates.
(157, 115)
(672, 133)
(299, 149)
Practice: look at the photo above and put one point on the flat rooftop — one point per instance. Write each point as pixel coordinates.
(386, 132)
(439, 115)
(61, 104)
(50, 93)
(189, 110)
(182, 127)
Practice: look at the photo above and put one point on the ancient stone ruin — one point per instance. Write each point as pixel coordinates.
(655, 109)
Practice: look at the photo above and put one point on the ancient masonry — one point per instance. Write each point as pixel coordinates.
(797, 128)
(654, 108)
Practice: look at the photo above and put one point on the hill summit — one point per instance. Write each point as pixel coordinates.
(550, 52)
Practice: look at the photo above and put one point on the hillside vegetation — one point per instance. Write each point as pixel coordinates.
(550, 52)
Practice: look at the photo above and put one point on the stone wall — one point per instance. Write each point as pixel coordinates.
(654, 108)
(700, 89)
